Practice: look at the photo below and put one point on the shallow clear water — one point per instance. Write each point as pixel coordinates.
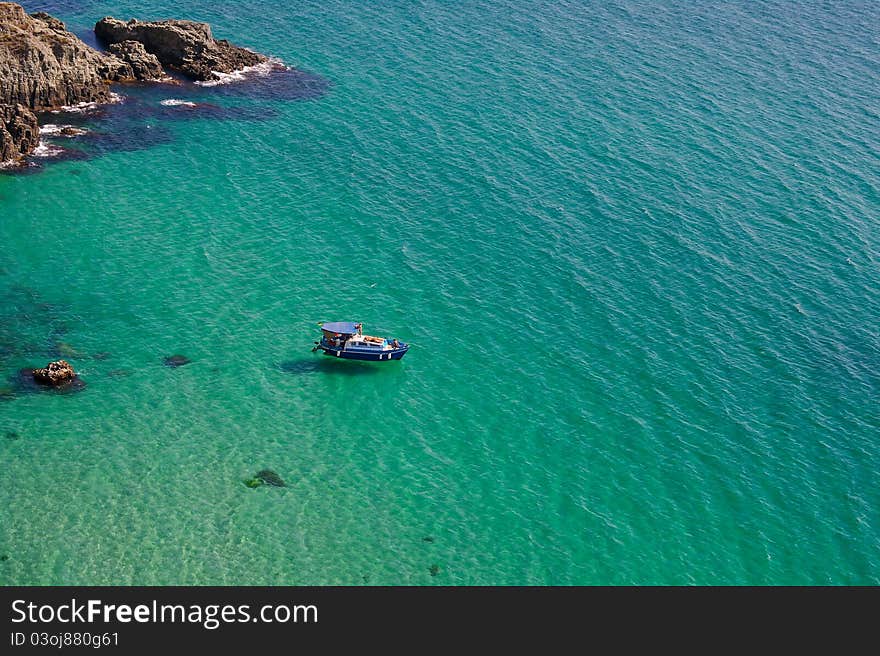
(634, 246)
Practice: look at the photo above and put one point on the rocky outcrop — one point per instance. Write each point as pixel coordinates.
(51, 21)
(186, 46)
(144, 65)
(19, 132)
(55, 373)
(43, 66)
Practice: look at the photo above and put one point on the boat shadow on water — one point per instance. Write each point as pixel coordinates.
(328, 366)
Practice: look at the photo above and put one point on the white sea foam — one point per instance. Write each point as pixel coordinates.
(83, 107)
(79, 108)
(260, 70)
(174, 102)
(54, 130)
(45, 149)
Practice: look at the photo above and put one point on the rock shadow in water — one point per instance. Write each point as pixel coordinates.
(136, 123)
(281, 83)
(24, 316)
(143, 102)
(106, 133)
(200, 110)
(35, 164)
(128, 137)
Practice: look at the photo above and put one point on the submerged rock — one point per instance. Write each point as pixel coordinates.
(270, 478)
(12, 435)
(24, 381)
(65, 350)
(434, 569)
(265, 477)
(186, 46)
(55, 373)
(119, 373)
(175, 360)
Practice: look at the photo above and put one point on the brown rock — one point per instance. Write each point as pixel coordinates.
(55, 373)
(144, 65)
(186, 46)
(19, 132)
(43, 66)
(51, 21)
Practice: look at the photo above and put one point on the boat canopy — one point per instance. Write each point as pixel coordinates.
(341, 327)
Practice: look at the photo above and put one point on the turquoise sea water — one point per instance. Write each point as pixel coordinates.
(635, 246)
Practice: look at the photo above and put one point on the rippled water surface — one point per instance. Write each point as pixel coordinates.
(634, 246)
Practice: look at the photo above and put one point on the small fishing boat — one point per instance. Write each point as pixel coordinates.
(345, 339)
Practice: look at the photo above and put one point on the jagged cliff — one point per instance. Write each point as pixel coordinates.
(19, 132)
(43, 66)
(186, 46)
(144, 66)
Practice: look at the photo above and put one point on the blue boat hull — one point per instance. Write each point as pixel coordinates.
(378, 356)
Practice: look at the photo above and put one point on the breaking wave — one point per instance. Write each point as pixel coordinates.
(55, 130)
(45, 149)
(85, 107)
(262, 69)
